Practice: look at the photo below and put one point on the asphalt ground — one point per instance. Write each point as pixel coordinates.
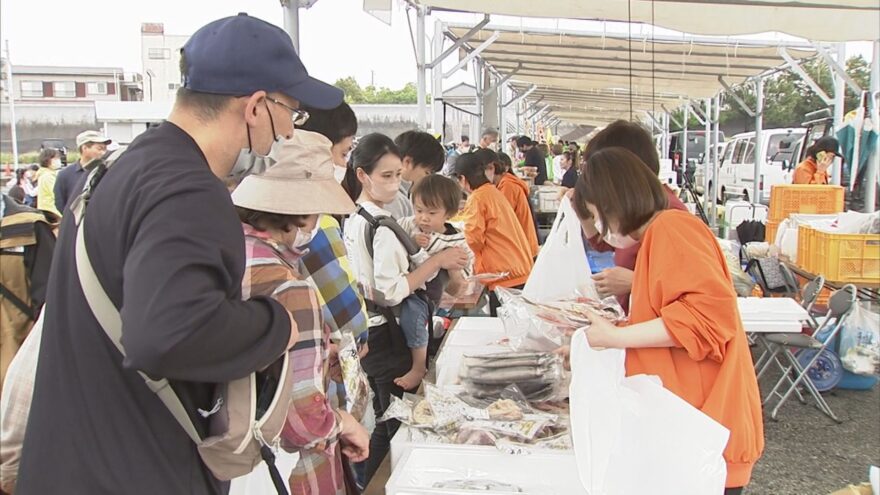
(807, 453)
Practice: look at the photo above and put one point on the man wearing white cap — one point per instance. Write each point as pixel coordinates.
(167, 247)
(71, 179)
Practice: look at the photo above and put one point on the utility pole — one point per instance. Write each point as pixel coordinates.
(10, 95)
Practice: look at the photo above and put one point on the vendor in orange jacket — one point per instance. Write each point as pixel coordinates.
(684, 325)
(820, 156)
(491, 229)
(515, 191)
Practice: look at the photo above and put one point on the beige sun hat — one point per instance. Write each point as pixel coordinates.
(300, 183)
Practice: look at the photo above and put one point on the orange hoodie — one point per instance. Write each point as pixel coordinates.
(681, 277)
(494, 235)
(807, 172)
(517, 193)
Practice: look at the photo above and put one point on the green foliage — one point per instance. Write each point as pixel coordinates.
(33, 157)
(787, 98)
(371, 94)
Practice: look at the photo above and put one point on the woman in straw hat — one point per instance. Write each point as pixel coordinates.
(279, 210)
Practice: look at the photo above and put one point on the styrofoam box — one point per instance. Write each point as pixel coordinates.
(402, 443)
(536, 474)
(771, 309)
(758, 326)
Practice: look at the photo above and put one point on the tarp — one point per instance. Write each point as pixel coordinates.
(590, 78)
(821, 20)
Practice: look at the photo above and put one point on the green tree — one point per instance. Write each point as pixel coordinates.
(353, 91)
(373, 95)
(787, 98)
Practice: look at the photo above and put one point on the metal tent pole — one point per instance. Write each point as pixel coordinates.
(874, 161)
(716, 136)
(759, 145)
(839, 98)
(684, 137)
(706, 192)
(437, 82)
(421, 76)
(10, 93)
(291, 21)
(479, 82)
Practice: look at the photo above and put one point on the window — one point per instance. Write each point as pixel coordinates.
(173, 86)
(31, 89)
(728, 153)
(65, 89)
(159, 53)
(738, 149)
(96, 88)
(749, 155)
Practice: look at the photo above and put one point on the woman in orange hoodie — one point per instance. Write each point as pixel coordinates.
(492, 230)
(515, 190)
(685, 325)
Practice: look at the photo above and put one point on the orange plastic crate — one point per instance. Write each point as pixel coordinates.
(770, 232)
(845, 258)
(786, 199)
(806, 246)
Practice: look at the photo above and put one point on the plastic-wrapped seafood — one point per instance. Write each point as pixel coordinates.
(538, 375)
(443, 417)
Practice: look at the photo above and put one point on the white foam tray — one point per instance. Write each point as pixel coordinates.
(536, 474)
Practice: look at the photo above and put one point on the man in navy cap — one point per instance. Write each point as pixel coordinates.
(167, 247)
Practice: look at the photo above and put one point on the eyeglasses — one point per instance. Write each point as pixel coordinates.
(298, 116)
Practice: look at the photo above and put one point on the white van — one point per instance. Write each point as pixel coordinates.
(737, 170)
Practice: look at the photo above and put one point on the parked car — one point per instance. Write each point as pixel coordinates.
(55, 144)
(696, 148)
(699, 174)
(736, 175)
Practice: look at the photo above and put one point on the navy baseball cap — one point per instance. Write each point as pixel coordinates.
(241, 55)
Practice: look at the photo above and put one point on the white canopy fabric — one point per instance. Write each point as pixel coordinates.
(819, 20)
(593, 78)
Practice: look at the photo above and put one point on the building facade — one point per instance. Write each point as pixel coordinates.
(160, 58)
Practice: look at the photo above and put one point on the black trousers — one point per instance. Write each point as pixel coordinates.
(494, 303)
(380, 441)
(733, 491)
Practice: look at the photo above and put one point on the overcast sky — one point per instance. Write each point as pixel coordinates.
(337, 38)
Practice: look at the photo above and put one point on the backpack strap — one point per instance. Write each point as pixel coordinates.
(374, 223)
(108, 316)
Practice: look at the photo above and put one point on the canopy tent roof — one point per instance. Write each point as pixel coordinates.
(823, 20)
(592, 78)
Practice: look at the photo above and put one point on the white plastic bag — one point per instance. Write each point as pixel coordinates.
(860, 342)
(562, 269)
(631, 435)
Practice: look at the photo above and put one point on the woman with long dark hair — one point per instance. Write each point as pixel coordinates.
(383, 272)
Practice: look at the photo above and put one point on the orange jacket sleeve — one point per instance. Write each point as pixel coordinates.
(805, 173)
(475, 230)
(698, 304)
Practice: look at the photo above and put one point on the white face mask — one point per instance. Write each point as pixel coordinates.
(250, 162)
(303, 239)
(385, 192)
(56, 163)
(339, 173)
(493, 146)
(616, 241)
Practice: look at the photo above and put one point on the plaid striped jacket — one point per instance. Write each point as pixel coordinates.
(311, 426)
(326, 264)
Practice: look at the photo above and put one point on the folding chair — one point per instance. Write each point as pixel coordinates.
(840, 306)
(809, 295)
